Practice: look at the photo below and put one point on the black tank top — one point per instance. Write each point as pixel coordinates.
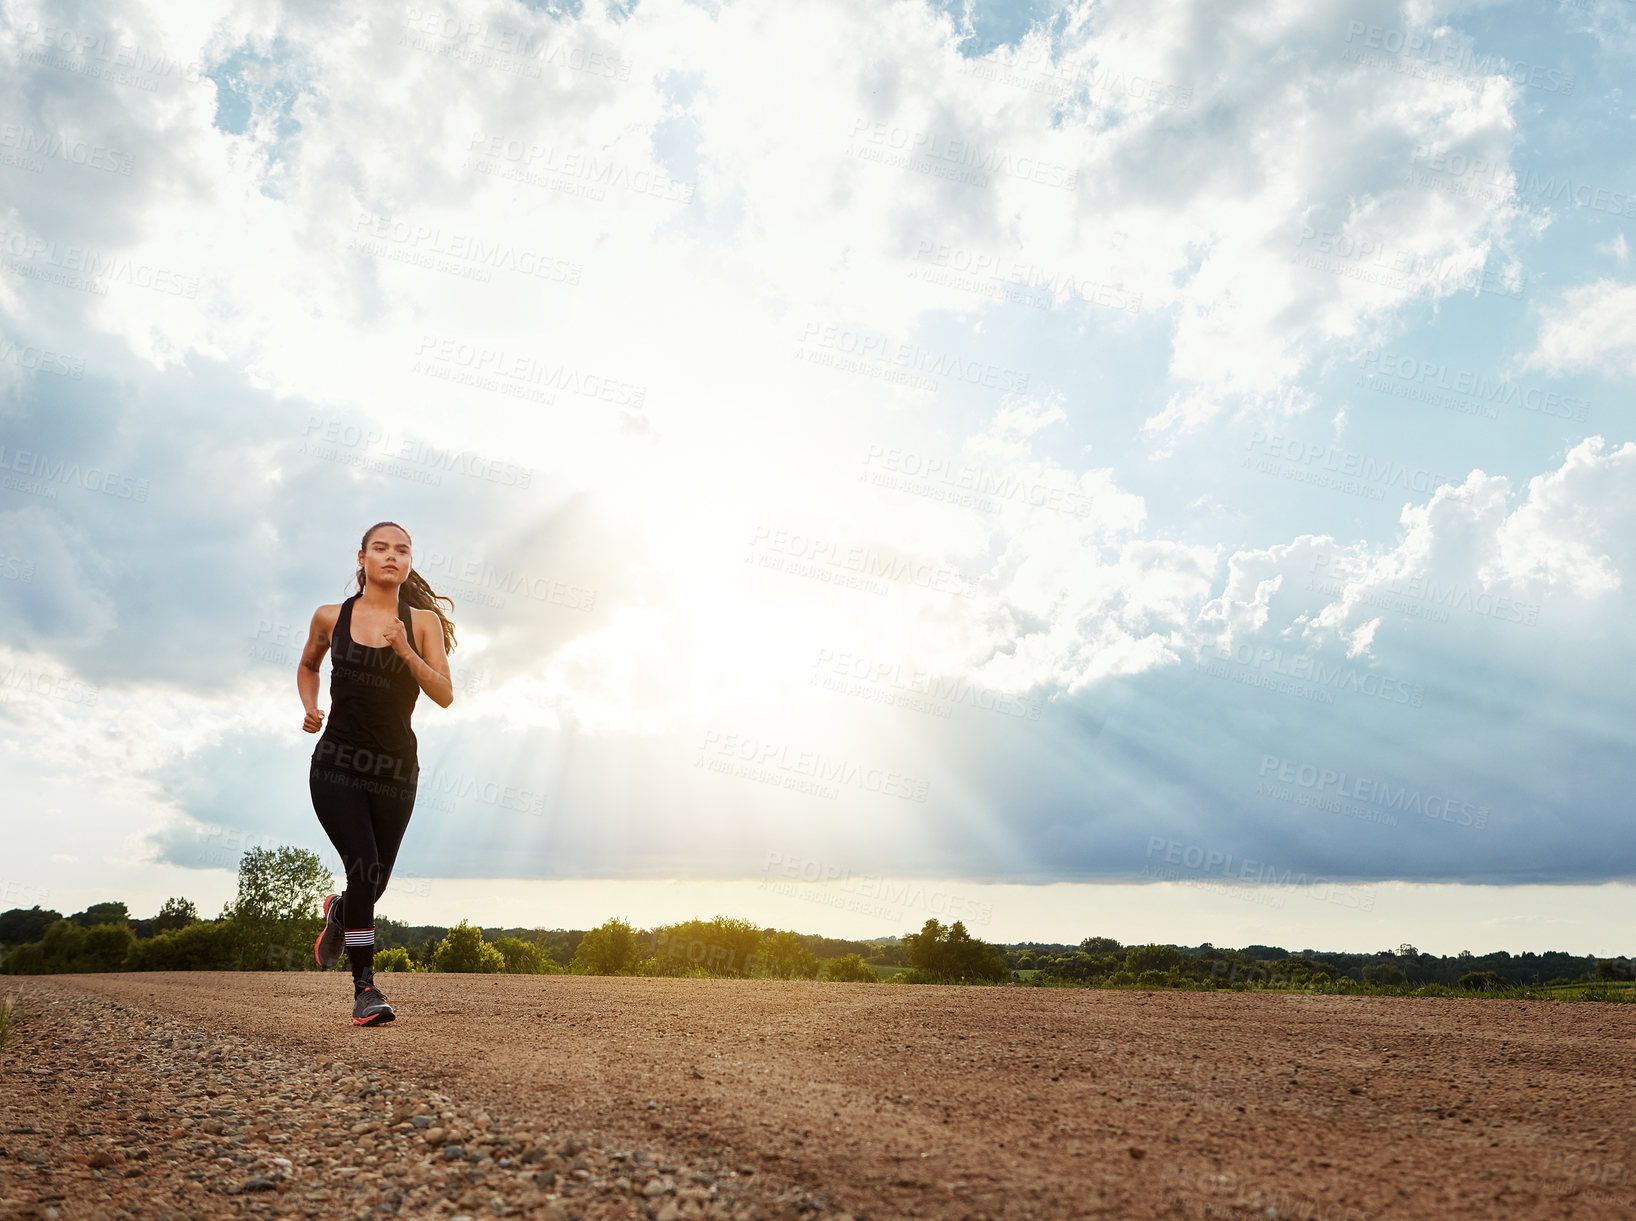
(372, 694)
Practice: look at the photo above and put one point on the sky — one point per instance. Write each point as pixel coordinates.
(1162, 472)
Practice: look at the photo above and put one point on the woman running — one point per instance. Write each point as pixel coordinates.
(389, 642)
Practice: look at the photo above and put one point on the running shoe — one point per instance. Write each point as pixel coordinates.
(369, 1008)
(332, 941)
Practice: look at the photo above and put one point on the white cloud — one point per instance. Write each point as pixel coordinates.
(1589, 330)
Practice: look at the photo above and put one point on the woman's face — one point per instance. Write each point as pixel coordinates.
(385, 558)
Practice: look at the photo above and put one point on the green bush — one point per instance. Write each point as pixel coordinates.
(785, 955)
(1384, 973)
(26, 960)
(395, 959)
(851, 969)
(610, 949)
(464, 950)
(723, 946)
(1158, 979)
(525, 957)
(1141, 958)
(1483, 981)
(202, 946)
(70, 947)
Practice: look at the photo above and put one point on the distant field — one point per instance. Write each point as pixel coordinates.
(1578, 991)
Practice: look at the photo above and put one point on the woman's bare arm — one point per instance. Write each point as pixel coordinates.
(431, 665)
(312, 655)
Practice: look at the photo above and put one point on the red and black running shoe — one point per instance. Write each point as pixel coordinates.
(332, 941)
(369, 1008)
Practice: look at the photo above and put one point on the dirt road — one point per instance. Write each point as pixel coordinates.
(676, 1098)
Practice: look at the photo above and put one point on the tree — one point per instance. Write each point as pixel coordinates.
(610, 949)
(464, 950)
(524, 957)
(785, 955)
(1100, 945)
(1384, 973)
(952, 955)
(1140, 958)
(20, 925)
(1407, 951)
(277, 911)
(176, 913)
(851, 969)
(722, 946)
(101, 913)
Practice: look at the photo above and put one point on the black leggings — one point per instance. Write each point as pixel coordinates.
(365, 819)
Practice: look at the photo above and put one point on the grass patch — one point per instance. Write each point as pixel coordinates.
(8, 1020)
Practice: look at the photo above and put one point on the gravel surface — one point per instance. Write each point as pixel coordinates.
(204, 1095)
(109, 1111)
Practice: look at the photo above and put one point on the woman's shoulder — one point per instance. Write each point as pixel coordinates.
(327, 614)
